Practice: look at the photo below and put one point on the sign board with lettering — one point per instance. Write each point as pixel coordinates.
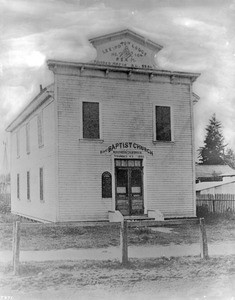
(127, 150)
(126, 49)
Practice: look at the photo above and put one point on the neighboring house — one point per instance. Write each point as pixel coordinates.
(206, 173)
(115, 134)
(219, 187)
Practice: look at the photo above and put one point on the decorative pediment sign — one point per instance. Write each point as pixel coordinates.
(125, 49)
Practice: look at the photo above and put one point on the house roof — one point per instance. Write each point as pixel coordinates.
(127, 33)
(206, 185)
(213, 170)
(43, 96)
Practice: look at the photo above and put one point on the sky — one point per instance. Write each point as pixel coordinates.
(197, 36)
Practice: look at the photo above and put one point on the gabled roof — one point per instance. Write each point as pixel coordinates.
(212, 170)
(127, 33)
(43, 96)
(207, 185)
(126, 48)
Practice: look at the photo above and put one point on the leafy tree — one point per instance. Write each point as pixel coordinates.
(212, 153)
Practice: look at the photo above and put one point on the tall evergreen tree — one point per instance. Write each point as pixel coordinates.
(212, 153)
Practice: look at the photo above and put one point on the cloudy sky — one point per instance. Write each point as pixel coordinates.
(197, 35)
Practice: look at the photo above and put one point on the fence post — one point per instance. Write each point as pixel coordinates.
(203, 239)
(124, 242)
(16, 247)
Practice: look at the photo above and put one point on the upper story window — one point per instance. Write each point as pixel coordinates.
(91, 120)
(163, 123)
(27, 128)
(40, 129)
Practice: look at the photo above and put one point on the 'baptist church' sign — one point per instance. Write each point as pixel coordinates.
(126, 148)
(126, 49)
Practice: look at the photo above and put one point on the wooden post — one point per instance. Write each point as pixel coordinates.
(124, 242)
(203, 239)
(16, 247)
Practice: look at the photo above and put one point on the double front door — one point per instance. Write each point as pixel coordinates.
(129, 186)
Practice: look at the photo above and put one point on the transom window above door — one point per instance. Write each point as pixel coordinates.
(128, 163)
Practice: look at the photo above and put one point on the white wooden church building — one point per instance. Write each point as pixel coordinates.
(108, 138)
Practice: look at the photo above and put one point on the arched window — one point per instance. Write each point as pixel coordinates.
(106, 185)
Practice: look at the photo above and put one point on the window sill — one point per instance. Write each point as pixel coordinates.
(99, 141)
(163, 142)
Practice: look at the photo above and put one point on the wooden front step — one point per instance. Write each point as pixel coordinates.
(138, 218)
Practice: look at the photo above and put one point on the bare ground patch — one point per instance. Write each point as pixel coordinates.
(173, 278)
(40, 237)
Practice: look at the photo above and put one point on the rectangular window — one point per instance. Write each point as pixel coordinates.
(27, 138)
(40, 129)
(17, 144)
(18, 186)
(163, 123)
(28, 185)
(41, 191)
(91, 122)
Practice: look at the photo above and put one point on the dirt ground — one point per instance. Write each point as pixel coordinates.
(173, 278)
(41, 237)
(160, 278)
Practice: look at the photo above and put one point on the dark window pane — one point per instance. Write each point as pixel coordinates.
(122, 181)
(41, 183)
(91, 128)
(136, 181)
(18, 186)
(106, 185)
(28, 186)
(163, 123)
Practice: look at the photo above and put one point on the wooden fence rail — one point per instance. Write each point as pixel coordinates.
(218, 203)
(124, 226)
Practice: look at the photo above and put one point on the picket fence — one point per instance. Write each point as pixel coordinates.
(218, 203)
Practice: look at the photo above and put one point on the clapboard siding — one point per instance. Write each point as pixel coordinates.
(127, 115)
(43, 157)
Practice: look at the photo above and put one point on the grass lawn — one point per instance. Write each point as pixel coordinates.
(40, 237)
(162, 278)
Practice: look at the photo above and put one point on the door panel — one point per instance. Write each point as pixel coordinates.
(136, 189)
(122, 193)
(129, 187)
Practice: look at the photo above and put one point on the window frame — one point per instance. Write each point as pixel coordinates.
(41, 185)
(18, 186)
(28, 185)
(107, 192)
(155, 140)
(82, 138)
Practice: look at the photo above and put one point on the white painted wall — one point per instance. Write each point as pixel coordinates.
(38, 157)
(127, 115)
